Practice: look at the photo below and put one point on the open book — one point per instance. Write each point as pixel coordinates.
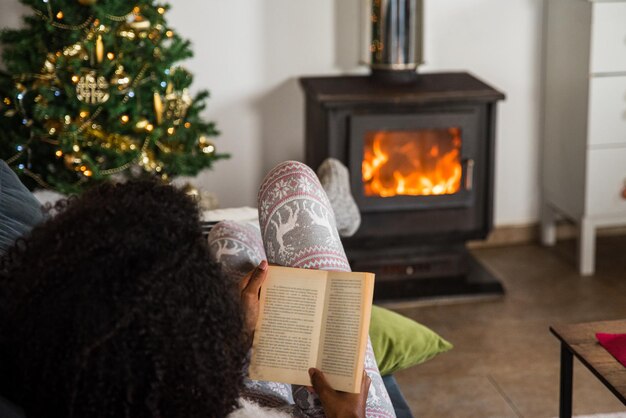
(312, 318)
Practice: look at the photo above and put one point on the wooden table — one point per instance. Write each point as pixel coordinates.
(580, 340)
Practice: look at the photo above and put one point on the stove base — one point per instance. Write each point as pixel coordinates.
(476, 282)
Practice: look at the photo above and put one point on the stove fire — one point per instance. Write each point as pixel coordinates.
(414, 163)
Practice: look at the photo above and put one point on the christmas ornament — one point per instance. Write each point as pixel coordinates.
(147, 161)
(99, 49)
(154, 35)
(73, 161)
(176, 105)
(48, 65)
(206, 146)
(92, 89)
(140, 24)
(120, 79)
(158, 108)
(141, 125)
(53, 127)
(75, 50)
(126, 32)
(191, 191)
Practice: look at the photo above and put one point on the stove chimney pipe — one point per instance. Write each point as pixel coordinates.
(392, 38)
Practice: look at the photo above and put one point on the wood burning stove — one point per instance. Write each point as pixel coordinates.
(421, 158)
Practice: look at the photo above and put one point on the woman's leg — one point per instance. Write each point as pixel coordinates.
(238, 247)
(298, 229)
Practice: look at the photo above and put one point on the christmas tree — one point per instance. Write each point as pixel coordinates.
(92, 89)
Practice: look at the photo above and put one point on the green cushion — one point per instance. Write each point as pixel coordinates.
(400, 342)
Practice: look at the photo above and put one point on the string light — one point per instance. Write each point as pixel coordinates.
(110, 56)
(19, 148)
(59, 153)
(149, 127)
(60, 15)
(161, 10)
(124, 118)
(163, 84)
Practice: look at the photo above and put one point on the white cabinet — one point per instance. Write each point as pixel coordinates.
(584, 138)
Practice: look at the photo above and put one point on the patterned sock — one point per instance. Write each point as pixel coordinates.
(237, 246)
(335, 180)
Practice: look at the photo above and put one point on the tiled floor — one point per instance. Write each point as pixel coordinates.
(505, 362)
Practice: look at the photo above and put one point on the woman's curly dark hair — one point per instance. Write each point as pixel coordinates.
(113, 309)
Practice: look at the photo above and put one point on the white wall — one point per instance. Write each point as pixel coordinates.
(250, 53)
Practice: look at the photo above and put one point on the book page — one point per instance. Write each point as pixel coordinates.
(344, 329)
(286, 338)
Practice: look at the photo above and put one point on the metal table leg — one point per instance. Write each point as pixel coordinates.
(567, 365)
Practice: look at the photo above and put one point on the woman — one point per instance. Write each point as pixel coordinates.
(113, 309)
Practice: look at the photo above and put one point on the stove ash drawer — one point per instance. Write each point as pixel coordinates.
(608, 37)
(606, 182)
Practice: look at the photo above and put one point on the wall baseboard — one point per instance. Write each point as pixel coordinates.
(530, 233)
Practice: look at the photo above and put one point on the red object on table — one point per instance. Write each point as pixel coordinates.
(614, 344)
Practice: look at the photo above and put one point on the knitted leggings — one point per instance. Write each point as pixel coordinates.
(297, 229)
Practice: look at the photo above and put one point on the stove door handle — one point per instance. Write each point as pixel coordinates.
(468, 167)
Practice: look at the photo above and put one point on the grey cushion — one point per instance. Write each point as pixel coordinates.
(19, 210)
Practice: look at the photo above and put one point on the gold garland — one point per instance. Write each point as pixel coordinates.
(90, 19)
(120, 18)
(63, 26)
(14, 158)
(37, 179)
(128, 164)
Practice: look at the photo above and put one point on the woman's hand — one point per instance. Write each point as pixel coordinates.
(249, 287)
(340, 404)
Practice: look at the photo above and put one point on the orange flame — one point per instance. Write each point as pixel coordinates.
(418, 163)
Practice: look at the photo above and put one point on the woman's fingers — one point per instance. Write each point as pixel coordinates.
(243, 284)
(256, 279)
